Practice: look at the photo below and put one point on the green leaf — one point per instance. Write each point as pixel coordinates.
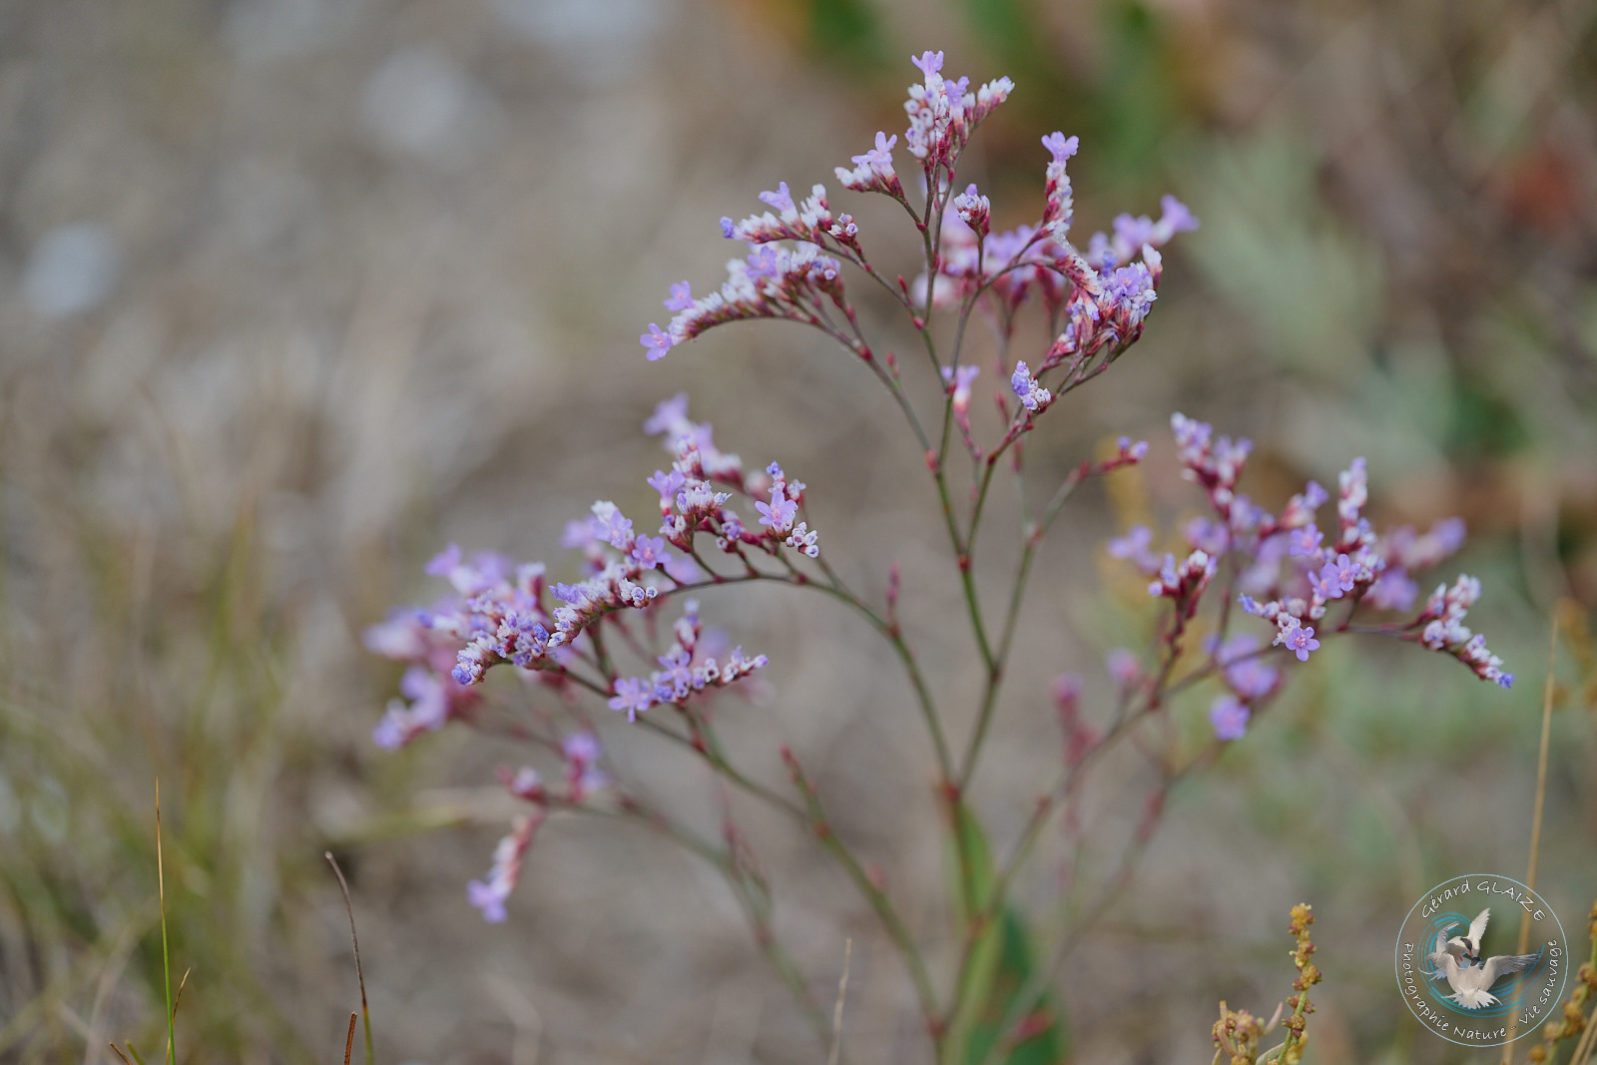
(1003, 962)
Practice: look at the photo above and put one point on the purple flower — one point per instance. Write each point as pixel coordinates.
(1245, 672)
(1192, 437)
(873, 170)
(929, 63)
(1061, 146)
(1229, 716)
(1393, 590)
(471, 663)
(727, 227)
(958, 379)
(1133, 232)
(444, 562)
(973, 208)
(1341, 573)
(1033, 396)
(489, 895)
(1324, 583)
(580, 747)
(1186, 581)
(634, 695)
(781, 199)
(879, 158)
(1353, 492)
(1134, 547)
(648, 551)
(1305, 542)
(1059, 209)
(956, 92)
(1296, 637)
(391, 733)
(780, 512)
(579, 533)
(402, 636)
(610, 525)
(1176, 218)
(805, 540)
(1131, 291)
(657, 341)
(681, 297)
(489, 898)
(669, 416)
(1300, 508)
(469, 578)
(674, 678)
(764, 262)
(739, 665)
(668, 484)
(1448, 535)
(1208, 535)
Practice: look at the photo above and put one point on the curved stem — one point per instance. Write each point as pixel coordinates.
(705, 743)
(756, 908)
(708, 744)
(862, 349)
(895, 638)
(879, 901)
(834, 588)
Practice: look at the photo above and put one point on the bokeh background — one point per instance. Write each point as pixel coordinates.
(292, 292)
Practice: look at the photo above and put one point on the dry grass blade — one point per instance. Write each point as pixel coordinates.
(118, 1052)
(349, 1040)
(360, 972)
(178, 1000)
(837, 1010)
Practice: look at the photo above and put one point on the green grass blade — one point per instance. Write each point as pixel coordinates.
(166, 960)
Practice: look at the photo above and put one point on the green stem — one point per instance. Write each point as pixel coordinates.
(166, 959)
(834, 587)
(1017, 592)
(1034, 986)
(709, 745)
(756, 909)
(1031, 832)
(885, 911)
(863, 350)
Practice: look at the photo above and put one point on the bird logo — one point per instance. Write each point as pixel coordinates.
(1457, 959)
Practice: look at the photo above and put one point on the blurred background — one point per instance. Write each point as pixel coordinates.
(293, 292)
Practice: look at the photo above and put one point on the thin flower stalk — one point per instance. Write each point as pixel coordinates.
(1241, 596)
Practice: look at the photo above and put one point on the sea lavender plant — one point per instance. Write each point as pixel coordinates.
(632, 586)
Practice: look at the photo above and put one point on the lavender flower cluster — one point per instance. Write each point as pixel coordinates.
(1282, 569)
(1103, 295)
(1307, 583)
(504, 613)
